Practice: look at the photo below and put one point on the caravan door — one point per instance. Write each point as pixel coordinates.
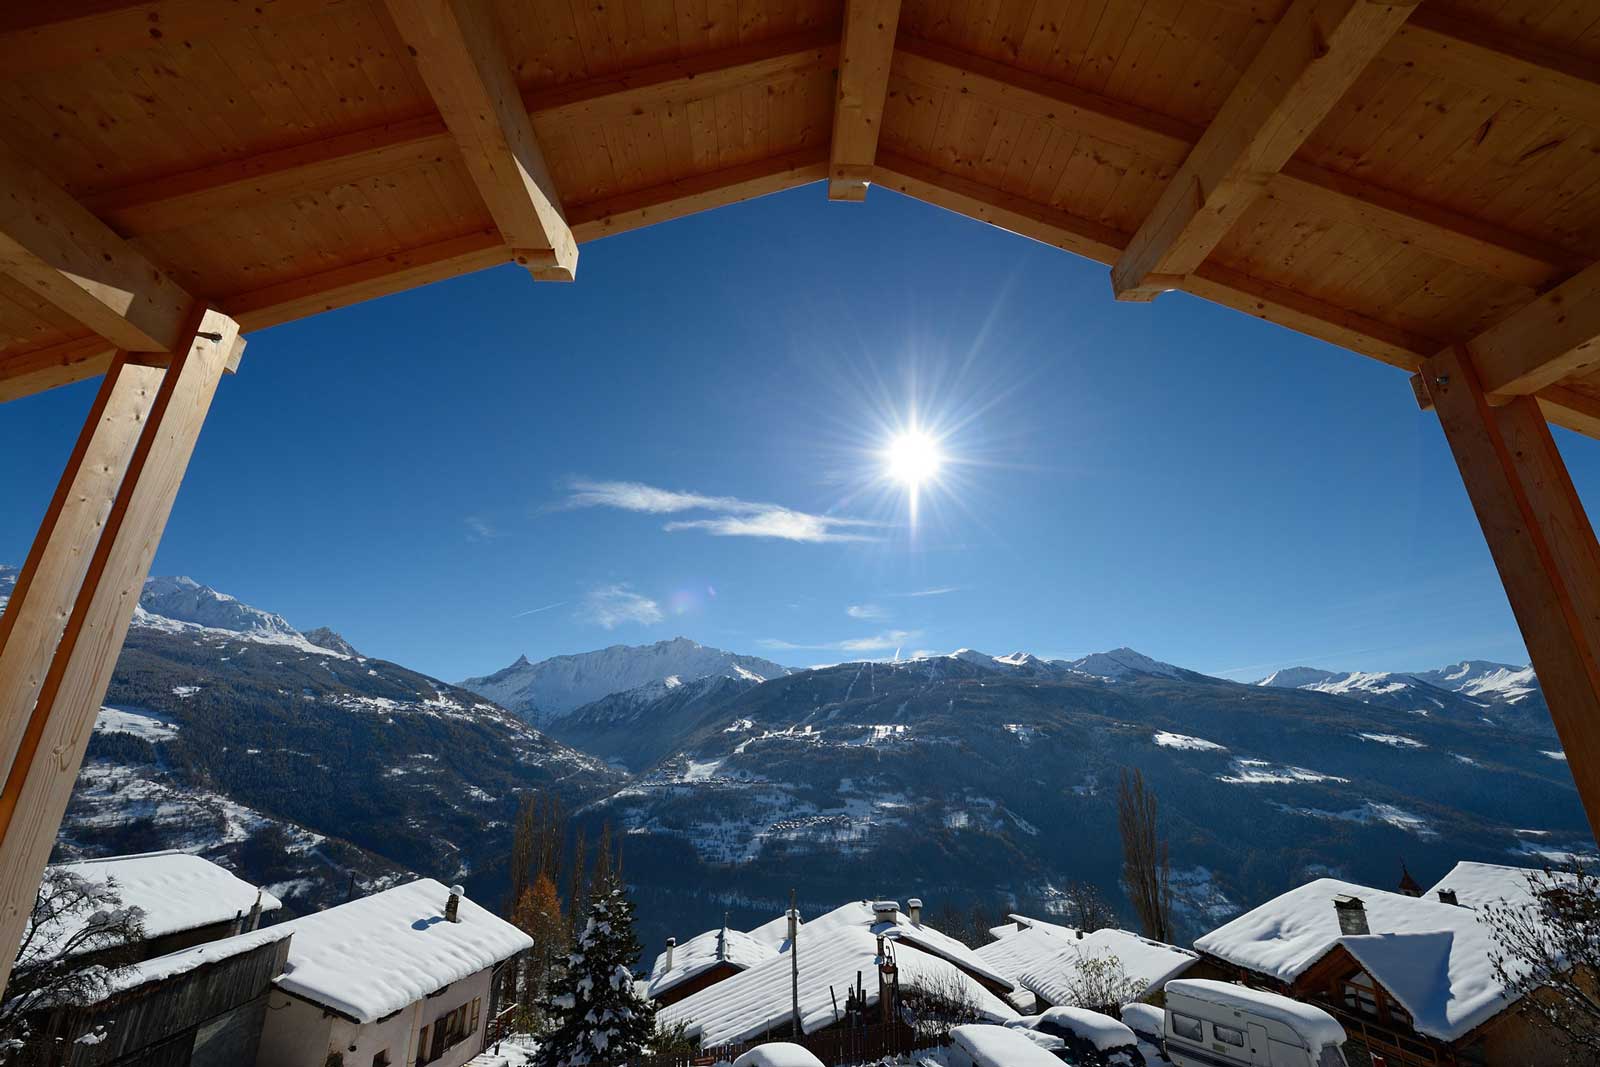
(1260, 1046)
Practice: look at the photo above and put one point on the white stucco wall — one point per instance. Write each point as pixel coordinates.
(298, 1033)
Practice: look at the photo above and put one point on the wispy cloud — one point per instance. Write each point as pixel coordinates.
(882, 642)
(940, 591)
(866, 611)
(612, 605)
(535, 611)
(734, 518)
(480, 528)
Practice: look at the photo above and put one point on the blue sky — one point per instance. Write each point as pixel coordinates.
(460, 474)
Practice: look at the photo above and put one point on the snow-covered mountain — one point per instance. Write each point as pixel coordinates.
(1116, 664)
(1470, 689)
(545, 691)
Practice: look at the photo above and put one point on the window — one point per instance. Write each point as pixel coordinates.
(1186, 1027)
(1360, 994)
(380, 1059)
(1228, 1035)
(423, 1051)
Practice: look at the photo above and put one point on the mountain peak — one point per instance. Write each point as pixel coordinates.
(1296, 677)
(1121, 663)
(323, 637)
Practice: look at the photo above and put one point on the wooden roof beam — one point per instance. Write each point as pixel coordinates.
(1314, 53)
(72, 260)
(464, 63)
(865, 56)
(1554, 337)
(1427, 227)
(173, 201)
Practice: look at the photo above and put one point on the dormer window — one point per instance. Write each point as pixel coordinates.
(1360, 994)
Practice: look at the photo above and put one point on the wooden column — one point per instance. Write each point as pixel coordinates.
(61, 635)
(1543, 546)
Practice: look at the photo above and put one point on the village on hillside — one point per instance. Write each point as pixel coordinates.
(169, 958)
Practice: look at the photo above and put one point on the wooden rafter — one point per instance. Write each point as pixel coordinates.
(1554, 337)
(1314, 53)
(62, 252)
(463, 61)
(865, 56)
(176, 200)
(1162, 139)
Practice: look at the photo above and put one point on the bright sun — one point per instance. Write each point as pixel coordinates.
(913, 459)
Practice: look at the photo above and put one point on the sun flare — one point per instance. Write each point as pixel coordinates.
(913, 458)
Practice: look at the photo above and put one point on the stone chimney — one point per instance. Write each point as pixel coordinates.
(672, 943)
(1448, 896)
(452, 907)
(1352, 915)
(255, 913)
(886, 911)
(914, 910)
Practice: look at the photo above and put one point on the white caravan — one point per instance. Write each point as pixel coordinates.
(1218, 1024)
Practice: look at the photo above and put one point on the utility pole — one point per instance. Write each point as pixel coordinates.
(794, 960)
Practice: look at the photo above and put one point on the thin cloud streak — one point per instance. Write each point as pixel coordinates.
(866, 611)
(734, 518)
(535, 611)
(883, 642)
(941, 591)
(611, 606)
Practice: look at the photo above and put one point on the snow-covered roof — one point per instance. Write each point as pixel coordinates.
(176, 890)
(705, 951)
(1021, 950)
(188, 959)
(778, 1054)
(997, 1046)
(1433, 957)
(756, 1001)
(774, 932)
(1309, 1021)
(1478, 884)
(861, 913)
(371, 957)
(1151, 963)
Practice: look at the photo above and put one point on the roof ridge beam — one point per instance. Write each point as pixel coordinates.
(69, 258)
(866, 54)
(463, 61)
(1551, 338)
(1314, 53)
(1430, 228)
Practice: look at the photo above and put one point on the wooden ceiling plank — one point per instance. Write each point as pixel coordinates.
(175, 201)
(1554, 337)
(1466, 241)
(1444, 46)
(463, 62)
(866, 54)
(1316, 51)
(73, 261)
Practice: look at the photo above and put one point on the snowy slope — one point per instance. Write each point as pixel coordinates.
(549, 689)
(1497, 692)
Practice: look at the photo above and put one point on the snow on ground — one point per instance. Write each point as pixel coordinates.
(1021, 732)
(122, 719)
(1560, 855)
(185, 691)
(1369, 813)
(1562, 756)
(1393, 740)
(1187, 742)
(1195, 892)
(1265, 772)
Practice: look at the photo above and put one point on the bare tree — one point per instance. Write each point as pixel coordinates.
(77, 938)
(1100, 983)
(1146, 865)
(934, 1004)
(1547, 951)
(1083, 907)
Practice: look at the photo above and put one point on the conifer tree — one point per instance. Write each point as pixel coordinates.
(598, 1015)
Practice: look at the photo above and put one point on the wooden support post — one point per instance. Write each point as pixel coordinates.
(1542, 544)
(865, 56)
(128, 502)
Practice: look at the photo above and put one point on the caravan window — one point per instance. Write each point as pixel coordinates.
(1228, 1035)
(1184, 1026)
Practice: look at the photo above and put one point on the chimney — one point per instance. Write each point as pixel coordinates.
(914, 910)
(886, 911)
(1079, 933)
(794, 923)
(1448, 896)
(672, 943)
(1352, 915)
(255, 913)
(452, 906)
